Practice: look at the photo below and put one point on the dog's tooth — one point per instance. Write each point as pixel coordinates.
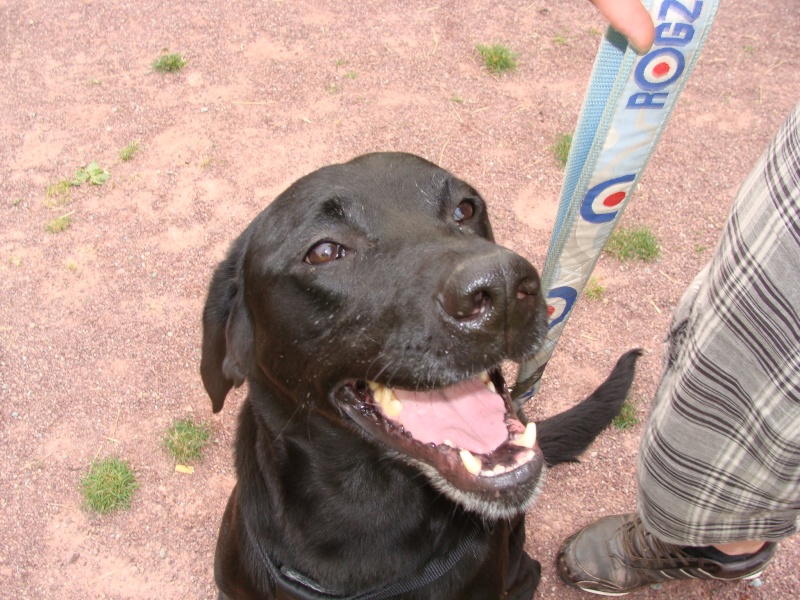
(449, 443)
(392, 408)
(386, 399)
(472, 463)
(527, 439)
(383, 395)
(525, 457)
(495, 471)
(378, 393)
(487, 381)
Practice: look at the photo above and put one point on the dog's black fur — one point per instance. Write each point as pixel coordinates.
(382, 269)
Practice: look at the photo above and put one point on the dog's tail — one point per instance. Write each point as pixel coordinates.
(563, 437)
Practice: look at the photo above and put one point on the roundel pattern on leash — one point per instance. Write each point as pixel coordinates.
(559, 302)
(660, 68)
(603, 201)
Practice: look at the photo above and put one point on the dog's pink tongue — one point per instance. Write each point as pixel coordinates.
(468, 415)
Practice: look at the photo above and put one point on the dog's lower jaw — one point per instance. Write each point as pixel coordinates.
(507, 504)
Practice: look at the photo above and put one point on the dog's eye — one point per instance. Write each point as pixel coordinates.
(325, 252)
(464, 211)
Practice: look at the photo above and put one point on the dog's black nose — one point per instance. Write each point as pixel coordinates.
(498, 287)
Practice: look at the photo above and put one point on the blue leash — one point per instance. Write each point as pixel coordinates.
(625, 110)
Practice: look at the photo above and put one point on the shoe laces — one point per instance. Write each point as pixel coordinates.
(647, 551)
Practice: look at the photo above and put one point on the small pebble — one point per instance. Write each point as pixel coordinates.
(757, 583)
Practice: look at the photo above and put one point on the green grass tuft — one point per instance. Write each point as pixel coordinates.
(59, 193)
(594, 290)
(59, 224)
(633, 244)
(628, 416)
(169, 63)
(186, 440)
(109, 485)
(129, 151)
(560, 148)
(497, 58)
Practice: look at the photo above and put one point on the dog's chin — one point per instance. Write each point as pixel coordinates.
(491, 505)
(465, 438)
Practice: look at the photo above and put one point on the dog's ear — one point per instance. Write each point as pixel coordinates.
(228, 334)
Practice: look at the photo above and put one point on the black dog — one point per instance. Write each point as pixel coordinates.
(378, 452)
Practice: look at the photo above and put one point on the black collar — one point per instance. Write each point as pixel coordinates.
(301, 587)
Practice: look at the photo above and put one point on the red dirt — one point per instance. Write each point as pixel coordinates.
(100, 325)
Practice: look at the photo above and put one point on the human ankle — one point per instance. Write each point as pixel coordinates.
(738, 548)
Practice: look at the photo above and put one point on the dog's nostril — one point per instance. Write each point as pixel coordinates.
(481, 302)
(527, 288)
(468, 305)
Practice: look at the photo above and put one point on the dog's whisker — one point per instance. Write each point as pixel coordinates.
(382, 369)
(279, 435)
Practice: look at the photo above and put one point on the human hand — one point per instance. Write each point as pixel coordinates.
(631, 19)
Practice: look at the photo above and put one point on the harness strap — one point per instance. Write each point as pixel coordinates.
(625, 110)
(303, 587)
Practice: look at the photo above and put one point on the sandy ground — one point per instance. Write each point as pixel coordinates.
(100, 324)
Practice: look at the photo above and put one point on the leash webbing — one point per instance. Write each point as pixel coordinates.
(625, 110)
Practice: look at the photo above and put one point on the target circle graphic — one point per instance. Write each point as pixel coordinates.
(659, 68)
(602, 202)
(559, 303)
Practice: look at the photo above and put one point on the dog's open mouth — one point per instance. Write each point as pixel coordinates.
(468, 433)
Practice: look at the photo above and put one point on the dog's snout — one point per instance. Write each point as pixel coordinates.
(500, 287)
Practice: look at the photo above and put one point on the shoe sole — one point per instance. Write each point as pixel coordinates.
(706, 578)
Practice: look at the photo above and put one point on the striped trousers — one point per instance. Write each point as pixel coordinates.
(720, 456)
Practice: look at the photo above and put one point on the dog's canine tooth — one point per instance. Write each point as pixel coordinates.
(472, 463)
(527, 439)
(484, 377)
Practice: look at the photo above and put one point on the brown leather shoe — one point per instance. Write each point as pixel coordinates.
(616, 555)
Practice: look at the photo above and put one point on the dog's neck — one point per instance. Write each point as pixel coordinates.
(302, 587)
(296, 479)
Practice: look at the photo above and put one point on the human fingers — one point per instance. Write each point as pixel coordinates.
(631, 19)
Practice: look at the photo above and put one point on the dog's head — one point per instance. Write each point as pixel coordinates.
(372, 292)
